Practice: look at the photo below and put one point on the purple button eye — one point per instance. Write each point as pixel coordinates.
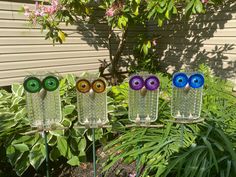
(136, 82)
(152, 83)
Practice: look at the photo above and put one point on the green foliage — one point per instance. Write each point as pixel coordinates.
(118, 14)
(24, 147)
(203, 149)
(212, 155)
(52, 15)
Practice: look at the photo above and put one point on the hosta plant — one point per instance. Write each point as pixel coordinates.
(24, 147)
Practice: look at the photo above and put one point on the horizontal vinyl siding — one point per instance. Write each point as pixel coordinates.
(208, 38)
(23, 50)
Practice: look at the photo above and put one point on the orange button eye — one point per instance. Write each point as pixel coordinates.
(83, 86)
(99, 86)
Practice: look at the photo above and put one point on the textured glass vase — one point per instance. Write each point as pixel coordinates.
(92, 100)
(187, 89)
(43, 100)
(143, 98)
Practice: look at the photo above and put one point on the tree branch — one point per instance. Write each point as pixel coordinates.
(117, 57)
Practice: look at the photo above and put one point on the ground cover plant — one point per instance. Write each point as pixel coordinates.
(23, 147)
(203, 149)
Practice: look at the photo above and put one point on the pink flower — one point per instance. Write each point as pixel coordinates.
(37, 13)
(132, 175)
(55, 3)
(26, 8)
(110, 12)
(26, 11)
(27, 14)
(42, 13)
(50, 10)
(205, 1)
(36, 5)
(154, 42)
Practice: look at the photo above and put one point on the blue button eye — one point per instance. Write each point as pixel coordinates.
(196, 80)
(180, 80)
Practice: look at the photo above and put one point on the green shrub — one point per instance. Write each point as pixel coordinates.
(203, 149)
(24, 147)
(206, 148)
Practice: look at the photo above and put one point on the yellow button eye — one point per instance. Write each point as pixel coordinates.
(99, 86)
(83, 86)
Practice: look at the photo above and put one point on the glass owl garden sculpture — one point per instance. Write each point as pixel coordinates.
(43, 100)
(143, 98)
(187, 95)
(92, 101)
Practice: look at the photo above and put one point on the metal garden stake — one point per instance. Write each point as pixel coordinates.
(143, 101)
(43, 105)
(186, 102)
(92, 105)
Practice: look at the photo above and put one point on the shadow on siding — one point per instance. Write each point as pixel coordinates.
(204, 39)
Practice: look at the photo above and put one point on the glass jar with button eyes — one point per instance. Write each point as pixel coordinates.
(143, 98)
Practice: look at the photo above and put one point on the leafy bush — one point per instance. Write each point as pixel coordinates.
(24, 147)
(203, 149)
(213, 154)
(51, 15)
(206, 148)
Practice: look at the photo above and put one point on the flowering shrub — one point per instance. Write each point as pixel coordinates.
(118, 14)
(110, 12)
(46, 15)
(42, 10)
(115, 9)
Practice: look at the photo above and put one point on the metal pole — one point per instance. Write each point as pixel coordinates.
(182, 135)
(137, 166)
(94, 154)
(46, 151)
(138, 169)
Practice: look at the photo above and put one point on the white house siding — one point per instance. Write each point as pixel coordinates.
(209, 38)
(24, 51)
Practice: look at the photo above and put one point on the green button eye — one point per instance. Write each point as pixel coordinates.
(50, 83)
(32, 85)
